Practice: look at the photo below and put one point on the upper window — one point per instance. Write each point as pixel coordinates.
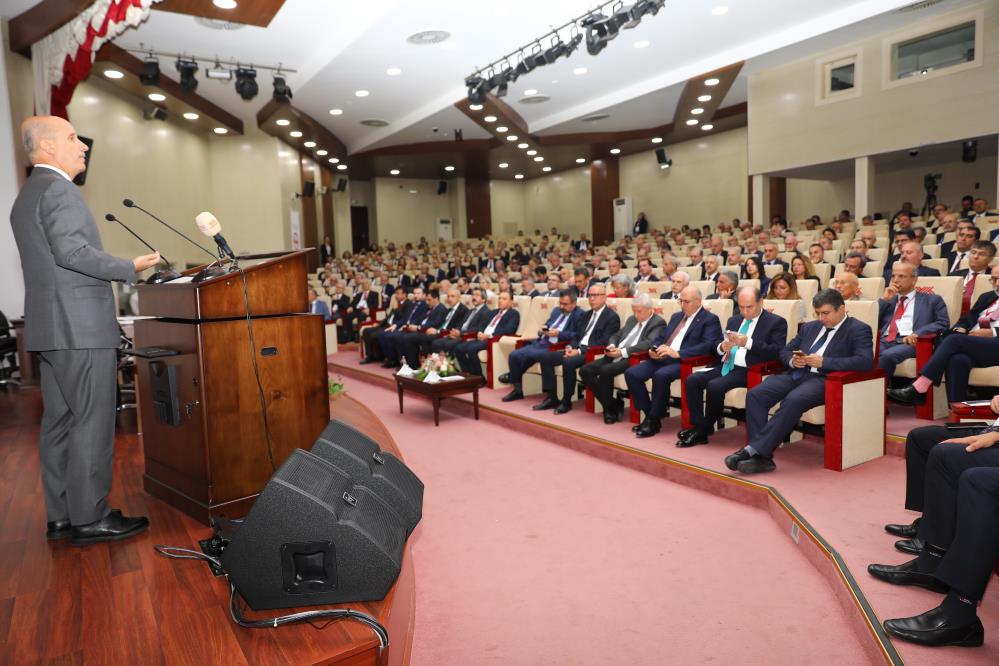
(838, 77)
(935, 51)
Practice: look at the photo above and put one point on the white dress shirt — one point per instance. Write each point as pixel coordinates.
(904, 324)
(678, 340)
(740, 352)
(57, 170)
(821, 350)
(592, 324)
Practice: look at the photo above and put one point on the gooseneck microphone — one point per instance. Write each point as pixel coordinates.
(209, 225)
(111, 218)
(158, 277)
(128, 203)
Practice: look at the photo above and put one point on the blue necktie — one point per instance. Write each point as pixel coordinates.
(798, 373)
(730, 360)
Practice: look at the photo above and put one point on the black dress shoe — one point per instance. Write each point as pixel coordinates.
(515, 394)
(906, 574)
(610, 418)
(934, 629)
(904, 531)
(388, 364)
(58, 529)
(910, 546)
(732, 461)
(548, 403)
(564, 407)
(112, 527)
(685, 433)
(757, 465)
(504, 378)
(649, 427)
(366, 360)
(907, 396)
(692, 439)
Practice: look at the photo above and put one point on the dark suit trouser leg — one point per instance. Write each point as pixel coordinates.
(522, 359)
(795, 399)
(467, 354)
(599, 377)
(571, 365)
(391, 347)
(705, 414)
(635, 378)
(371, 347)
(77, 432)
(971, 558)
(409, 347)
(918, 444)
(977, 351)
(661, 380)
(445, 345)
(893, 353)
(547, 361)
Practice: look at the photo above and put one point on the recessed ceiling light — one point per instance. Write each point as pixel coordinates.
(309, 144)
(720, 10)
(707, 127)
(531, 91)
(428, 37)
(657, 139)
(191, 116)
(711, 82)
(157, 97)
(522, 146)
(519, 176)
(704, 98)
(697, 111)
(412, 191)
(539, 158)
(220, 130)
(449, 168)
(502, 128)
(282, 122)
(341, 167)
(333, 160)
(490, 119)
(361, 93)
(394, 172)
(580, 160)
(225, 4)
(512, 137)
(393, 71)
(692, 121)
(294, 133)
(615, 151)
(113, 74)
(336, 112)
(579, 71)
(322, 153)
(475, 107)
(546, 169)
(503, 165)
(641, 44)
(532, 152)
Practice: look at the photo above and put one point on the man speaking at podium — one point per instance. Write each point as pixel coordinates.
(69, 319)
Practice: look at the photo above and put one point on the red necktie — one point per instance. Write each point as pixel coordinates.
(969, 288)
(676, 331)
(893, 327)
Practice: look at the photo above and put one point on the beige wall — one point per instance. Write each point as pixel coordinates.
(409, 208)
(559, 200)
(506, 207)
(707, 183)
(826, 198)
(787, 129)
(893, 187)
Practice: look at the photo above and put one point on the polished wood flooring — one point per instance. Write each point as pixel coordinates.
(123, 603)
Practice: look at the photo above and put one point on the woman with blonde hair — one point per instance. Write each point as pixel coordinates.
(803, 269)
(783, 287)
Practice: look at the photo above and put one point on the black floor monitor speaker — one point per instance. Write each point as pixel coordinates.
(314, 536)
(387, 476)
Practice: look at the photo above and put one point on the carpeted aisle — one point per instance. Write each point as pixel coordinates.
(530, 553)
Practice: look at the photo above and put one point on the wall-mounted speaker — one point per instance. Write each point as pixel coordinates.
(969, 151)
(442, 187)
(664, 162)
(341, 185)
(309, 189)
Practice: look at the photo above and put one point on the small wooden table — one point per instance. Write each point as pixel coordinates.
(440, 390)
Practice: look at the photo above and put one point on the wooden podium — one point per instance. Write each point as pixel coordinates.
(200, 416)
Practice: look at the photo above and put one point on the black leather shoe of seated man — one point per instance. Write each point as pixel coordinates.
(112, 527)
(58, 529)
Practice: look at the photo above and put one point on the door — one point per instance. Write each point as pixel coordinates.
(359, 227)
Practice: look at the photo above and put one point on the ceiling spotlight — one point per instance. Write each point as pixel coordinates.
(546, 169)
(149, 73)
(220, 130)
(522, 146)
(615, 151)
(393, 71)
(309, 144)
(531, 152)
(657, 139)
(502, 128)
(512, 137)
(503, 165)
(341, 167)
(477, 89)
(187, 69)
(519, 176)
(539, 158)
(283, 122)
(720, 10)
(218, 72)
(322, 153)
(361, 93)
(692, 121)
(704, 98)
(336, 112)
(489, 119)
(246, 83)
(294, 134)
(711, 82)
(157, 97)
(394, 172)
(113, 74)
(707, 127)
(697, 111)
(579, 71)
(191, 116)
(580, 160)
(282, 93)
(333, 160)
(475, 107)
(641, 44)
(449, 168)
(667, 164)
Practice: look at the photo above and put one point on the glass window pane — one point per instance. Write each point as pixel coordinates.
(841, 78)
(939, 50)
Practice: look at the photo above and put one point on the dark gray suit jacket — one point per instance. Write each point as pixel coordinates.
(653, 328)
(68, 301)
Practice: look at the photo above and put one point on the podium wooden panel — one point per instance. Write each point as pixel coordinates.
(217, 459)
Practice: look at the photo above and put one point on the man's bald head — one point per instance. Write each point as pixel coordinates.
(52, 140)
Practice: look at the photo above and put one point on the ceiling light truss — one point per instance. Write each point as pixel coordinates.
(596, 27)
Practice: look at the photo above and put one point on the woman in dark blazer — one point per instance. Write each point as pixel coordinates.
(753, 270)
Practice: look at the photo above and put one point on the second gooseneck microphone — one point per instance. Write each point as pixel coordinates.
(128, 203)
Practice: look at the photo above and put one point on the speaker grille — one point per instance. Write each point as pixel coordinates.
(312, 476)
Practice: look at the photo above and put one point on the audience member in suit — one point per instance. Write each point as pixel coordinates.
(855, 263)
(912, 252)
(693, 331)
(528, 289)
(443, 316)
(641, 225)
(641, 329)
(326, 251)
(384, 288)
(834, 342)
(582, 244)
(645, 273)
(726, 286)
(718, 250)
(318, 307)
(595, 328)
(972, 344)
(981, 210)
(710, 268)
(904, 315)
(581, 282)
(561, 326)
(981, 255)
(398, 311)
(390, 335)
(960, 250)
(770, 257)
(69, 320)
(960, 542)
(752, 336)
(504, 321)
(696, 256)
(681, 280)
(848, 286)
(753, 270)
(552, 286)
(474, 322)
(364, 302)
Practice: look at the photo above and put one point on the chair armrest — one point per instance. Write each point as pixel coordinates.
(855, 376)
(593, 351)
(924, 349)
(469, 336)
(558, 346)
(756, 373)
(637, 357)
(696, 361)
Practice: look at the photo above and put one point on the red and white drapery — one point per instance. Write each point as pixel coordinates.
(64, 58)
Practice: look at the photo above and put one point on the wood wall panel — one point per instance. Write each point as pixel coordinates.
(605, 186)
(478, 206)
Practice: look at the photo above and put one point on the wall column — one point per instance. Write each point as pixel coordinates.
(761, 200)
(863, 187)
(12, 294)
(605, 186)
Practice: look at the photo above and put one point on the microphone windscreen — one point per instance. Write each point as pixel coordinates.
(128, 203)
(207, 224)
(109, 217)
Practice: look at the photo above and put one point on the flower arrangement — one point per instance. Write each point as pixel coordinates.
(439, 364)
